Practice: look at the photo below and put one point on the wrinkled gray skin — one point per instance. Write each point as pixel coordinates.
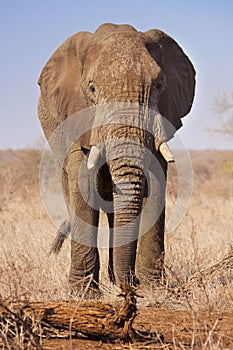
(117, 64)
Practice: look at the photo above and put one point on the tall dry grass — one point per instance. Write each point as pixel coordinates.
(28, 272)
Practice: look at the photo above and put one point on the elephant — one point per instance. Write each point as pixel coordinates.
(137, 86)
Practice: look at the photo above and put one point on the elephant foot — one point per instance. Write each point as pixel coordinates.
(152, 278)
(131, 281)
(154, 275)
(85, 289)
(134, 281)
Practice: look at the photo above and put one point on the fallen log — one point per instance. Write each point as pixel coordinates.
(90, 319)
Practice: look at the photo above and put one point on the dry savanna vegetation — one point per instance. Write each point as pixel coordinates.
(192, 309)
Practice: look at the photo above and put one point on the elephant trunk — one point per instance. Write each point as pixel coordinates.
(126, 231)
(127, 147)
(127, 162)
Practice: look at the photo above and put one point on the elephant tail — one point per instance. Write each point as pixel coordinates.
(62, 233)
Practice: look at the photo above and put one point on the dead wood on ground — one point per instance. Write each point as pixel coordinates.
(88, 319)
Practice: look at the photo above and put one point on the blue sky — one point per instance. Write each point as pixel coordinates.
(31, 30)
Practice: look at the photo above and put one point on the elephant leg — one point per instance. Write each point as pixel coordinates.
(84, 216)
(110, 261)
(150, 252)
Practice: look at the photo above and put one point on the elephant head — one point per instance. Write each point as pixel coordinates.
(145, 84)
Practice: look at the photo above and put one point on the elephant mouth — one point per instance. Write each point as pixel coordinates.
(128, 122)
(95, 154)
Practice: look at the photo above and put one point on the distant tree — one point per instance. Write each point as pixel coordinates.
(223, 109)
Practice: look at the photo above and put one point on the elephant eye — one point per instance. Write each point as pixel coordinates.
(91, 87)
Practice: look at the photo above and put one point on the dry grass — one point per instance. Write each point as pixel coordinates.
(198, 279)
(205, 235)
(203, 238)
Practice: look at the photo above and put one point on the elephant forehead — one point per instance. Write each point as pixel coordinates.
(125, 52)
(110, 27)
(128, 39)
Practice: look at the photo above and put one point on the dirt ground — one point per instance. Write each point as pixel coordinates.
(175, 329)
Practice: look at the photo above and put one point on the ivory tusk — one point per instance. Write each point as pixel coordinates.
(166, 152)
(93, 157)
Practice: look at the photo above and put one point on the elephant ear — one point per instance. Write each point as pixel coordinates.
(177, 97)
(60, 81)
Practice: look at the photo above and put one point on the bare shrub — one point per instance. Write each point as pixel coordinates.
(223, 108)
